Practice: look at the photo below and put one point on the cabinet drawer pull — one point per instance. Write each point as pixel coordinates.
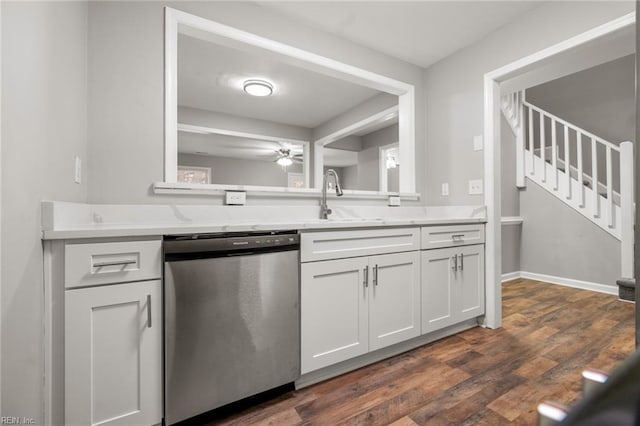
(461, 261)
(455, 262)
(375, 276)
(115, 263)
(365, 272)
(149, 311)
(457, 237)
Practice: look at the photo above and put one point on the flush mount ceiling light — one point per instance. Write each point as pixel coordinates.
(256, 87)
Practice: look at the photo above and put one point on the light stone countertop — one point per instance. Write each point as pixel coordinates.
(63, 220)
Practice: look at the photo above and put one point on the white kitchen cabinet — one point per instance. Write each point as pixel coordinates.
(353, 306)
(334, 313)
(452, 286)
(394, 302)
(113, 354)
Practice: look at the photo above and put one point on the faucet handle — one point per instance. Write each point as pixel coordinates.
(328, 211)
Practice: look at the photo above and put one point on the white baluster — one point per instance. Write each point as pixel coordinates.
(626, 209)
(610, 187)
(531, 143)
(554, 153)
(520, 151)
(594, 177)
(567, 160)
(543, 147)
(580, 170)
(518, 105)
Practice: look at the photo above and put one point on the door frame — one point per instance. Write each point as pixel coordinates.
(493, 85)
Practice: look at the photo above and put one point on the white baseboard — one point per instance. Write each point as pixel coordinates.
(567, 282)
(511, 276)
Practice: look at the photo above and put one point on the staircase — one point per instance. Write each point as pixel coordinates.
(591, 175)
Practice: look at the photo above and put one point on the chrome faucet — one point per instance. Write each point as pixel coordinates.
(325, 211)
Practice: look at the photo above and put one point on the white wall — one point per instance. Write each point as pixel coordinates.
(126, 78)
(454, 110)
(44, 101)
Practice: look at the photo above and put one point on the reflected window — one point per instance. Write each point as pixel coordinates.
(193, 174)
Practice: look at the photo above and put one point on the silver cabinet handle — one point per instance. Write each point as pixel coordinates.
(455, 262)
(457, 237)
(375, 275)
(461, 261)
(116, 263)
(149, 310)
(365, 272)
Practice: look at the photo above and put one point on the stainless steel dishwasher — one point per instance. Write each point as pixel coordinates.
(232, 318)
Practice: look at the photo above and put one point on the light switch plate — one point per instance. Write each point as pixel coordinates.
(235, 198)
(445, 189)
(475, 187)
(77, 171)
(478, 143)
(394, 201)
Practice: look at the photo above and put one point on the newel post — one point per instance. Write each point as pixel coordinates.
(627, 211)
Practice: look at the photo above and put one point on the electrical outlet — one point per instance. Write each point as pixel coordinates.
(478, 143)
(445, 189)
(235, 198)
(475, 187)
(77, 173)
(394, 201)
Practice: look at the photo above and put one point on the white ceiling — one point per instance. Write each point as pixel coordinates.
(210, 77)
(418, 32)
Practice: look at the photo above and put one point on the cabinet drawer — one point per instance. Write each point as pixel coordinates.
(114, 262)
(452, 235)
(340, 244)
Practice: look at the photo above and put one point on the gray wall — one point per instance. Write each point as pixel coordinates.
(240, 172)
(454, 109)
(511, 234)
(126, 80)
(44, 107)
(600, 99)
(557, 240)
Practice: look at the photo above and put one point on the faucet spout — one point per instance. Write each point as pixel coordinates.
(325, 211)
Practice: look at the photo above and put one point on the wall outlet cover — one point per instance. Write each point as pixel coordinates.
(475, 187)
(478, 143)
(235, 198)
(445, 189)
(394, 201)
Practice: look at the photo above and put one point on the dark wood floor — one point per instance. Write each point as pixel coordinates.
(478, 377)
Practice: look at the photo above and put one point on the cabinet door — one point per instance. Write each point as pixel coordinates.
(334, 316)
(469, 301)
(438, 288)
(394, 302)
(113, 355)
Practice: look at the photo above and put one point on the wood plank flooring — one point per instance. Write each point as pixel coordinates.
(478, 377)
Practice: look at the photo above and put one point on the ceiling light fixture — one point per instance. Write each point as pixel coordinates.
(284, 161)
(258, 87)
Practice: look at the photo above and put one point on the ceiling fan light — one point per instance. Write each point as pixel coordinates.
(284, 161)
(258, 88)
(391, 163)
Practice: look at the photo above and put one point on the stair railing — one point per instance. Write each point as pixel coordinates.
(521, 115)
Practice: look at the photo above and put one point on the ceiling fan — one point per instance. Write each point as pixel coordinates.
(286, 158)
